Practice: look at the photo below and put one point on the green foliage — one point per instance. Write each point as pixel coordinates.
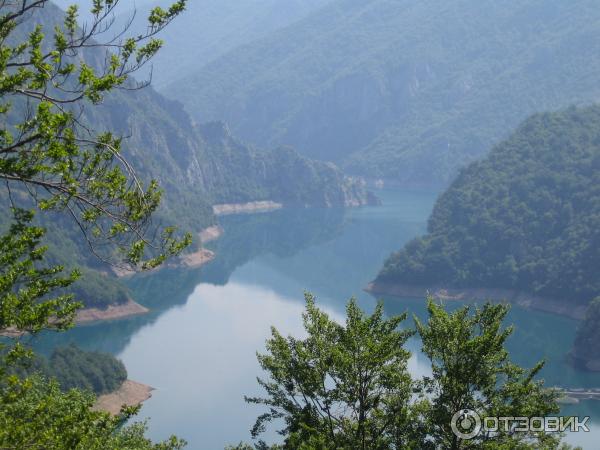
(342, 385)
(471, 370)
(49, 159)
(526, 217)
(44, 147)
(65, 248)
(97, 290)
(28, 298)
(73, 368)
(409, 91)
(241, 446)
(98, 372)
(36, 414)
(26, 286)
(347, 386)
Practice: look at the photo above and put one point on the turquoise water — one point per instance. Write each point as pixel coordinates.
(197, 346)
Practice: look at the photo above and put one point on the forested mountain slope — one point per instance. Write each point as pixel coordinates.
(209, 28)
(196, 166)
(401, 89)
(201, 165)
(526, 218)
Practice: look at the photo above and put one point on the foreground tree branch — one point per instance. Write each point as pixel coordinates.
(52, 160)
(47, 151)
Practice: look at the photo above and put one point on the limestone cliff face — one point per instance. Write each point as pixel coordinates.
(202, 165)
(241, 173)
(409, 91)
(198, 166)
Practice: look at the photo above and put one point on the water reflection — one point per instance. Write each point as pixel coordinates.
(198, 344)
(203, 361)
(282, 233)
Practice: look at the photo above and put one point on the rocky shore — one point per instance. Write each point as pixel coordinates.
(194, 259)
(523, 299)
(250, 207)
(210, 234)
(127, 309)
(130, 393)
(574, 396)
(89, 315)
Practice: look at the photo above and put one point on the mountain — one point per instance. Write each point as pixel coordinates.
(399, 89)
(202, 165)
(196, 166)
(208, 29)
(525, 218)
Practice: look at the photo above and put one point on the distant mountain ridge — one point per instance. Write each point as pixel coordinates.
(207, 29)
(404, 90)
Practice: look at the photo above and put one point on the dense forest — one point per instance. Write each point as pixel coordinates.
(66, 247)
(73, 368)
(408, 91)
(525, 218)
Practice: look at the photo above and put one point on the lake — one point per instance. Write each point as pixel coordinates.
(198, 344)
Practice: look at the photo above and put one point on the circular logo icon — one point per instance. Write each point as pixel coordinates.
(466, 424)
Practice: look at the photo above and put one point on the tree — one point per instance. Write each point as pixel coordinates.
(471, 370)
(35, 414)
(52, 160)
(27, 303)
(50, 153)
(340, 387)
(525, 218)
(347, 386)
(24, 285)
(74, 368)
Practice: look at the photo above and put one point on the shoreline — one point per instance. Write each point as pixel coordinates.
(202, 255)
(522, 299)
(113, 312)
(575, 396)
(88, 316)
(210, 234)
(11, 333)
(248, 207)
(190, 260)
(132, 308)
(131, 393)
